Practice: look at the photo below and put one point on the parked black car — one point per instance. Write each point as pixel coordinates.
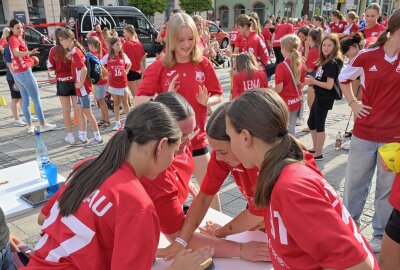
(33, 39)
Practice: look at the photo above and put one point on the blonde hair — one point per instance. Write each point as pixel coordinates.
(246, 61)
(291, 43)
(6, 32)
(97, 45)
(352, 15)
(256, 23)
(244, 20)
(175, 25)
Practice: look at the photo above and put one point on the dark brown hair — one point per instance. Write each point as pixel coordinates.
(60, 51)
(151, 121)
(393, 26)
(337, 14)
(316, 35)
(112, 41)
(13, 22)
(322, 60)
(264, 114)
(68, 34)
(216, 125)
(348, 42)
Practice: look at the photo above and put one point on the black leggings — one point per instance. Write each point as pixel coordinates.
(318, 113)
(278, 55)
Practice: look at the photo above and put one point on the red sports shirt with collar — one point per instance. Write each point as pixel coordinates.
(382, 124)
(78, 61)
(116, 227)
(394, 197)
(241, 83)
(62, 67)
(256, 46)
(104, 80)
(135, 52)
(374, 31)
(308, 226)
(338, 28)
(312, 58)
(157, 78)
(233, 35)
(282, 30)
(20, 64)
(102, 41)
(266, 33)
(353, 28)
(117, 70)
(170, 190)
(289, 93)
(385, 22)
(245, 179)
(3, 42)
(239, 42)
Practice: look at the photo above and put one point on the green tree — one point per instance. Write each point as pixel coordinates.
(192, 6)
(149, 7)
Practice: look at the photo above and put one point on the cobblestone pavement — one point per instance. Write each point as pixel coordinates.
(16, 147)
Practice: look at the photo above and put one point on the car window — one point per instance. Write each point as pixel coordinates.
(142, 23)
(32, 36)
(213, 28)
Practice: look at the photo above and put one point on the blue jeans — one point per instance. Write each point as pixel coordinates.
(363, 159)
(29, 89)
(6, 260)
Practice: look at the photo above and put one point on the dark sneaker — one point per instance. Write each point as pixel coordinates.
(94, 143)
(79, 143)
(321, 157)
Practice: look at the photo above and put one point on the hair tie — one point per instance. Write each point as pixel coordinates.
(129, 132)
(283, 134)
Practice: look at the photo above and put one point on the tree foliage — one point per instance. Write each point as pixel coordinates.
(192, 6)
(149, 7)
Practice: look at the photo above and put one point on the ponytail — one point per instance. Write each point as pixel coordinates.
(316, 35)
(77, 44)
(292, 44)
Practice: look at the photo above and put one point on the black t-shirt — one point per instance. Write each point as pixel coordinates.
(329, 70)
(4, 232)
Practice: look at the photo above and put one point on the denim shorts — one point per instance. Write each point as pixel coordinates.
(84, 101)
(100, 91)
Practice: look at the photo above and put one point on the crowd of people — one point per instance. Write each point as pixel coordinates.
(137, 186)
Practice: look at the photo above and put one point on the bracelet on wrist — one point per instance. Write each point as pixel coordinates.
(181, 241)
(351, 102)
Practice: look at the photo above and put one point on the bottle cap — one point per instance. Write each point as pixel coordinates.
(37, 133)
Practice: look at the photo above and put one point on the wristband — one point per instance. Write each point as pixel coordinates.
(351, 102)
(181, 242)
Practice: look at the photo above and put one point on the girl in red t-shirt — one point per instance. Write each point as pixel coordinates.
(184, 70)
(117, 64)
(352, 25)
(100, 87)
(133, 48)
(4, 36)
(373, 29)
(248, 75)
(338, 22)
(289, 78)
(103, 218)
(83, 88)
(293, 194)
(66, 92)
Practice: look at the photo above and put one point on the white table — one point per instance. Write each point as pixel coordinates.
(21, 179)
(223, 263)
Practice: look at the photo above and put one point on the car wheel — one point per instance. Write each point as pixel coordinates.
(224, 43)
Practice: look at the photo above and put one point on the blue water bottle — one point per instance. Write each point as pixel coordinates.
(42, 156)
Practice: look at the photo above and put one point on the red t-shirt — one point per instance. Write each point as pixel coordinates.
(312, 58)
(104, 80)
(20, 64)
(62, 67)
(256, 46)
(245, 179)
(241, 83)
(170, 190)
(267, 34)
(379, 77)
(117, 70)
(233, 35)
(78, 61)
(135, 52)
(308, 226)
(374, 31)
(239, 42)
(282, 30)
(157, 78)
(385, 22)
(394, 198)
(337, 28)
(102, 41)
(289, 93)
(351, 29)
(3, 42)
(116, 227)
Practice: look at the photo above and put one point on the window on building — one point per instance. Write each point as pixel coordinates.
(66, 2)
(288, 9)
(259, 8)
(237, 10)
(97, 2)
(223, 15)
(36, 9)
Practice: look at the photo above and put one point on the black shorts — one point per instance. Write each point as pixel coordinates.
(66, 89)
(14, 94)
(134, 76)
(392, 228)
(200, 152)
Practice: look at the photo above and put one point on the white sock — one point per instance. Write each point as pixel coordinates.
(97, 135)
(82, 135)
(70, 135)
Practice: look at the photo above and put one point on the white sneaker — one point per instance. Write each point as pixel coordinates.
(69, 140)
(31, 129)
(376, 244)
(299, 122)
(47, 127)
(19, 123)
(346, 145)
(34, 118)
(117, 126)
